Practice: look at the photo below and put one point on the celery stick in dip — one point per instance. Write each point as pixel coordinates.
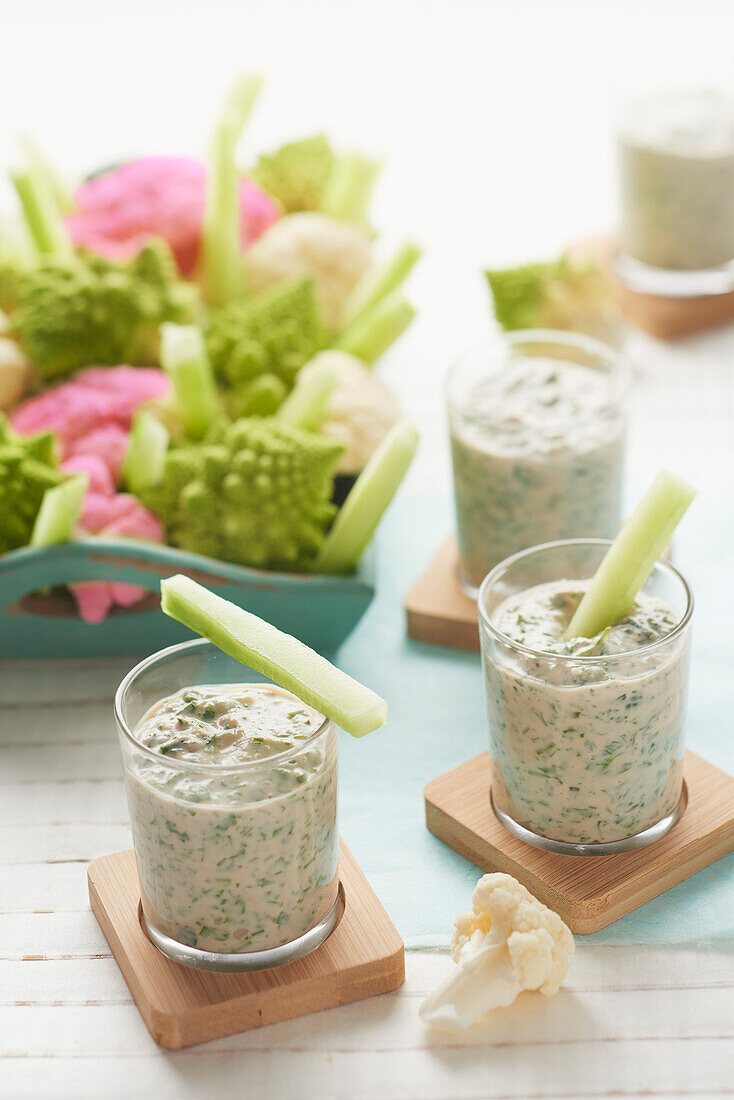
(586, 751)
(632, 556)
(233, 813)
(263, 647)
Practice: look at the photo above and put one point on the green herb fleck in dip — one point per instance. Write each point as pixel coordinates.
(233, 812)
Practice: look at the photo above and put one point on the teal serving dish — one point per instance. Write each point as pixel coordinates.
(39, 620)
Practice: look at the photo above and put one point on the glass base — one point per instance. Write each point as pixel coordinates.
(674, 284)
(246, 960)
(567, 848)
(465, 585)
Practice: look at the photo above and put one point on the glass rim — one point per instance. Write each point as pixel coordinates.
(246, 766)
(618, 364)
(661, 94)
(565, 658)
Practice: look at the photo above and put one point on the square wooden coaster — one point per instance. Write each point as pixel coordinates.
(362, 957)
(437, 609)
(588, 892)
(665, 317)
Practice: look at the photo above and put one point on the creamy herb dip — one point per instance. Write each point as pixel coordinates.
(538, 452)
(243, 859)
(585, 751)
(676, 164)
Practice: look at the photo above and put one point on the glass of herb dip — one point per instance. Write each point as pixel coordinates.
(537, 422)
(232, 789)
(675, 154)
(586, 735)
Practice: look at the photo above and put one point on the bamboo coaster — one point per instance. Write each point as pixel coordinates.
(664, 317)
(437, 608)
(588, 892)
(362, 957)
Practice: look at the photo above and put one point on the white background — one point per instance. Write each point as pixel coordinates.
(495, 121)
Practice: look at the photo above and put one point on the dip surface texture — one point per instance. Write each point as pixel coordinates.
(538, 455)
(586, 751)
(676, 164)
(232, 857)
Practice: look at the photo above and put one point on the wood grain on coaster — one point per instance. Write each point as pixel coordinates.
(665, 317)
(588, 892)
(437, 609)
(181, 1007)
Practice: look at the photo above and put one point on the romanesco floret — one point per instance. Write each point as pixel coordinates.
(16, 260)
(297, 173)
(569, 293)
(28, 467)
(257, 493)
(91, 311)
(260, 345)
(12, 274)
(518, 293)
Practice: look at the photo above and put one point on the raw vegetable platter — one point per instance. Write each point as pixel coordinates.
(188, 384)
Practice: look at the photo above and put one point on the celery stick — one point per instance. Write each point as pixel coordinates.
(379, 280)
(306, 404)
(185, 361)
(372, 333)
(41, 214)
(43, 167)
(349, 188)
(631, 557)
(241, 101)
(146, 452)
(373, 490)
(222, 274)
(59, 512)
(264, 648)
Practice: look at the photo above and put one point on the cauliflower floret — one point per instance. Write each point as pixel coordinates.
(361, 410)
(15, 373)
(336, 254)
(509, 942)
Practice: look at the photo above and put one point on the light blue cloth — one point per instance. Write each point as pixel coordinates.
(438, 719)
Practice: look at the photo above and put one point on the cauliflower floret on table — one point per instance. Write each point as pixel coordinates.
(334, 253)
(508, 943)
